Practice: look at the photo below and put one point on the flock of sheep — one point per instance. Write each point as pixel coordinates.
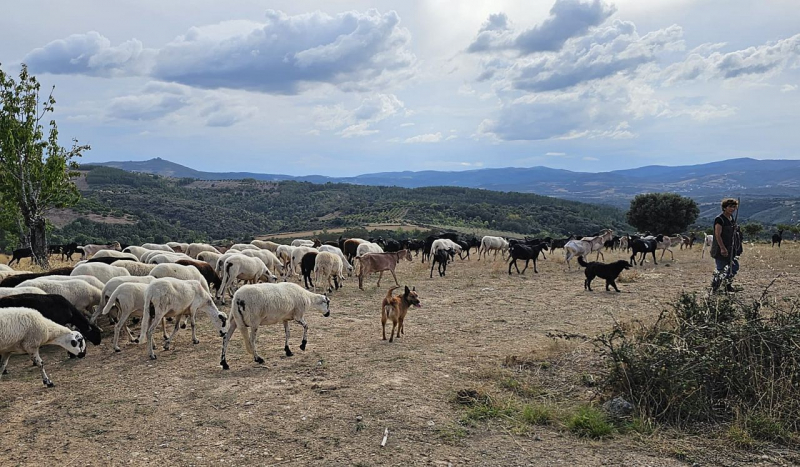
(158, 283)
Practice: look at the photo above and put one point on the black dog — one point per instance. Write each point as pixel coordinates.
(609, 272)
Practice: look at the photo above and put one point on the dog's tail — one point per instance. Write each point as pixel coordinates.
(389, 292)
(582, 262)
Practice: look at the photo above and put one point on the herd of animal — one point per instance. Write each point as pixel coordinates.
(172, 282)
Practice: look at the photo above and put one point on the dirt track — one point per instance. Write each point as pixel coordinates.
(183, 409)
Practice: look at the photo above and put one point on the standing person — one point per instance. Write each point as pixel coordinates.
(727, 246)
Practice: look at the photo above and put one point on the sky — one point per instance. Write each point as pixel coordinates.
(348, 87)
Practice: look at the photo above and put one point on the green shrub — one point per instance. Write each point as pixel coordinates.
(589, 422)
(536, 415)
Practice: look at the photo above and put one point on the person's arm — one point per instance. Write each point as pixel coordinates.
(718, 237)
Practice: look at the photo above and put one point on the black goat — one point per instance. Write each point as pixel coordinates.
(560, 243)
(464, 248)
(644, 246)
(526, 252)
(57, 309)
(307, 267)
(392, 246)
(777, 238)
(441, 257)
(19, 254)
(416, 245)
(609, 272)
(13, 281)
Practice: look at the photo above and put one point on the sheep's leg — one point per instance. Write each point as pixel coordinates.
(193, 322)
(286, 345)
(164, 327)
(123, 318)
(305, 333)
(174, 331)
(37, 360)
(4, 362)
(222, 360)
(151, 328)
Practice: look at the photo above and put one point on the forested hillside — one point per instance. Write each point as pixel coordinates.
(159, 209)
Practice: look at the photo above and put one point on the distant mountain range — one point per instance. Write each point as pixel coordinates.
(775, 181)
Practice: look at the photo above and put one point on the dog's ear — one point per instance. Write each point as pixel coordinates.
(414, 288)
(407, 291)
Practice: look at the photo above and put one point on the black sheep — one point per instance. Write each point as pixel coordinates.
(13, 281)
(307, 266)
(57, 309)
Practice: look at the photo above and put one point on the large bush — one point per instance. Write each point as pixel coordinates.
(662, 213)
(712, 359)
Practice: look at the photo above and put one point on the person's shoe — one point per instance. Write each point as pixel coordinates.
(732, 288)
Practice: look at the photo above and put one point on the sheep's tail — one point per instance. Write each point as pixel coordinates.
(112, 300)
(582, 262)
(149, 310)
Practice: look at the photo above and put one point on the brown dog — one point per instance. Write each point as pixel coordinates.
(395, 307)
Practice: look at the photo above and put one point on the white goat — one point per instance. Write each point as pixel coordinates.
(490, 243)
(169, 297)
(707, 242)
(265, 304)
(368, 247)
(23, 330)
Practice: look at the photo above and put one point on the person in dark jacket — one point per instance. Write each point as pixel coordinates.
(727, 245)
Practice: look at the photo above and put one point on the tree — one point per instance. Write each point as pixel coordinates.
(662, 213)
(752, 229)
(35, 172)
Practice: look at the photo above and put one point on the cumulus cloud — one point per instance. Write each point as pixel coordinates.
(357, 122)
(426, 138)
(153, 103)
(568, 19)
(753, 61)
(788, 88)
(90, 54)
(284, 55)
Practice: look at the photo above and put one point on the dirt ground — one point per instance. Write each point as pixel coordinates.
(330, 404)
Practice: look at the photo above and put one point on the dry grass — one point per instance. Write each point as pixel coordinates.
(478, 328)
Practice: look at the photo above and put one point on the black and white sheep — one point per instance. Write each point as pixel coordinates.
(57, 309)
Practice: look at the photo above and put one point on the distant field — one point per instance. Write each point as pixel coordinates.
(331, 404)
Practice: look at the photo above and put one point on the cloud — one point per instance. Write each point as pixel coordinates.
(788, 88)
(152, 104)
(403, 125)
(753, 61)
(356, 122)
(90, 54)
(591, 159)
(286, 54)
(556, 154)
(568, 19)
(427, 138)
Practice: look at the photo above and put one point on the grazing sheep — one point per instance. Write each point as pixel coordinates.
(244, 268)
(16, 279)
(268, 257)
(89, 250)
(23, 330)
(169, 297)
(158, 246)
(218, 267)
(208, 273)
(490, 243)
(81, 294)
(57, 309)
(109, 288)
(9, 291)
(179, 271)
(136, 251)
(165, 258)
(265, 304)
(297, 257)
(128, 298)
(135, 268)
(115, 254)
(368, 247)
(266, 245)
(91, 280)
(210, 257)
(243, 246)
(338, 252)
(178, 247)
(307, 267)
(104, 272)
(3, 267)
(195, 249)
(329, 266)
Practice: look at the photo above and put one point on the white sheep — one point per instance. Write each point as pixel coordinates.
(169, 297)
(104, 272)
(23, 330)
(221, 261)
(243, 268)
(4, 274)
(209, 257)
(158, 246)
(338, 252)
(179, 271)
(178, 247)
(297, 257)
(328, 265)
(302, 242)
(265, 304)
(109, 288)
(195, 249)
(268, 257)
(116, 254)
(3, 267)
(128, 298)
(135, 268)
(91, 280)
(168, 258)
(284, 253)
(368, 247)
(136, 251)
(266, 245)
(243, 246)
(8, 291)
(81, 294)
